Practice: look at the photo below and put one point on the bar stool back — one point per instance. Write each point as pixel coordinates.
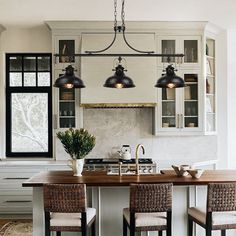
(220, 213)
(150, 209)
(65, 207)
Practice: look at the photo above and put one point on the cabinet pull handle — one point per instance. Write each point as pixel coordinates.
(16, 178)
(17, 201)
(177, 121)
(55, 121)
(182, 121)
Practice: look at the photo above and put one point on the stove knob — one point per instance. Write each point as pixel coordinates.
(145, 170)
(150, 170)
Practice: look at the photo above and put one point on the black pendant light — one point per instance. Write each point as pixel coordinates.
(119, 79)
(69, 80)
(170, 79)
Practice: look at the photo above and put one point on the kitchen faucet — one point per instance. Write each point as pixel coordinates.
(136, 156)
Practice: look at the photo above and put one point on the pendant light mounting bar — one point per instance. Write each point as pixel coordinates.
(120, 54)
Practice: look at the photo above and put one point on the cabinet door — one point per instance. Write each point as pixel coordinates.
(179, 110)
(167, 45)
(65, 46)
(191, 112)
(67, 107)
(190, 46)
(168, 109)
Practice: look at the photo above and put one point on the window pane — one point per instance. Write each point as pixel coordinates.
(15, 63)
(29, 79)
(29, 63)
(43, 63)
(15, 79)
(44, 79)
(29, 122)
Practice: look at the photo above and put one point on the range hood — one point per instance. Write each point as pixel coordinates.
(118, 105)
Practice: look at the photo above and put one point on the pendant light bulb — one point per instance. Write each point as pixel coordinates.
(119, 86)
(69, 86)
(170, 85)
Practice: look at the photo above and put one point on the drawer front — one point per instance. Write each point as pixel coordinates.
(12, 178)
(15, 204)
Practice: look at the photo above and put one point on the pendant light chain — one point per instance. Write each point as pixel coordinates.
(115, 14)
(123, 14)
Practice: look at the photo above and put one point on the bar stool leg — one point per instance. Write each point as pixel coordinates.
(159, 233)
(223, 232)
(124, 227)
(58, 233)
(93, 227)
(190, 227)
(208, 232)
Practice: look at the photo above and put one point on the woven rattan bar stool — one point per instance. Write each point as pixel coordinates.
(220, 213)
(150, 209)
(65, 209)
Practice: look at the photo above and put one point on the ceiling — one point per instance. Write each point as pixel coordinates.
(27, 13)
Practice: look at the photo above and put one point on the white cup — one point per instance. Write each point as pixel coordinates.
(191, 124)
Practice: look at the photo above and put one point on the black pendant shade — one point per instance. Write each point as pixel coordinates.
(170, 79)
(119, 79)
(69, 80)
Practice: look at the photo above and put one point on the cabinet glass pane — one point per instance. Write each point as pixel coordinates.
(44, 79)
(67, 107)
(168, 47)
(29, 122)
(190, 51)
(67, 123)
(43, 64)
(15, 79)
(29, 79)
(191, 101)
(168, 108)
(66, 94)
(16, 63)
(29, 63)
(66, 48)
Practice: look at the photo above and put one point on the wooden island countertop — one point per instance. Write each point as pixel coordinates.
(102, 179)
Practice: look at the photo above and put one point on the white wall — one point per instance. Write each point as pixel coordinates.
(15, 39)
(222, 99)
(231, 98)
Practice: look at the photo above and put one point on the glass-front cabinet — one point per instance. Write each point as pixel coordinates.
(68, 112)
(178, 109)
(187, 45)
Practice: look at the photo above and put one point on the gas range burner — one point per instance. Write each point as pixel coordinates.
(116, 161)
(101, 161)
(140, 161)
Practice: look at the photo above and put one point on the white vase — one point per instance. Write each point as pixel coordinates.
(77, 166)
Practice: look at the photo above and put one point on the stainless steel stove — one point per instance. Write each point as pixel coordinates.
(120, 166)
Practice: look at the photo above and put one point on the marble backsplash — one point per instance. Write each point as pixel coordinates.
(115, 127)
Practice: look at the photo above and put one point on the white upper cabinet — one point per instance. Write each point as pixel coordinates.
(190, 46)
(95, 70)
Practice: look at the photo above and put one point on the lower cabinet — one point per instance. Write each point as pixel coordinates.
(15, 199)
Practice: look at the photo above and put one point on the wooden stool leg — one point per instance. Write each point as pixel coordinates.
(58, 233)
(190, 227)
(124, 227)
(159, 233)
(223, 232)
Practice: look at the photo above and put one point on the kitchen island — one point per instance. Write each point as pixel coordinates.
(109, 194)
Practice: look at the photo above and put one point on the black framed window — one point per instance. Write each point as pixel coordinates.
(28, 105)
